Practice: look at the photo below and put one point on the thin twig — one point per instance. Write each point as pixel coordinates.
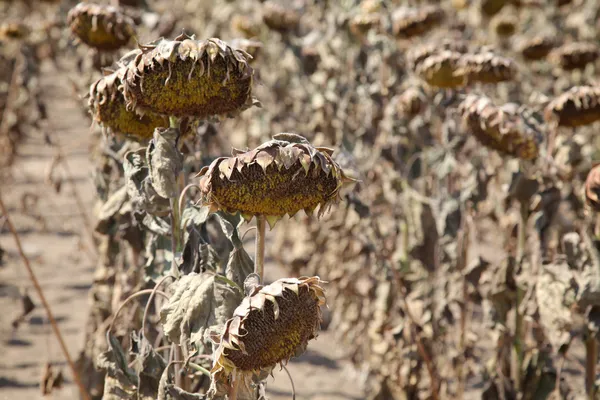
(147, 309)
(82, 390)
(291, 382)
(133, 296)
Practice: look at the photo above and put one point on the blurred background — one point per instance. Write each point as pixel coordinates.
(463, 264)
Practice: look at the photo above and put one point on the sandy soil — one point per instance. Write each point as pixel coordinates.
(56, 240)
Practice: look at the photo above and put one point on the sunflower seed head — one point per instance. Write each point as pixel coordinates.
(102, 27)
(280, 18)
(282, 176)
(271, 326)
(187, 77)
(419, 54)
(409, 22)
(107, 105)
(510, 129)
(487, 67)
(442, 70)
(578, 106)
(537, 47)
(575, 55)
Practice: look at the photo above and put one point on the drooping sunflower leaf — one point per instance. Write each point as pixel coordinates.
(199, 302)
(165, 162)
(139, 185)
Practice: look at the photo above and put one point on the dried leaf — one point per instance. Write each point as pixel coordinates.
(200, 301)
(165, 162)
(139, 186)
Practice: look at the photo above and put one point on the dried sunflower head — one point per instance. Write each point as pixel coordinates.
(579, 106)
(187, 77)
(418, 54)
(410, 22)
(108, 108)
(575, 55)
(245, 25)
(592, 189)
(505, 23)
(487, 67)
(102, 27)
(282, 176)
(280, 18)
(442, 70)
(362, 23)
(509, 129)
(13, 30)
(271, 326)
(537, 48)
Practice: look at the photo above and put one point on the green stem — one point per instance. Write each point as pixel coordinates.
(259, 258)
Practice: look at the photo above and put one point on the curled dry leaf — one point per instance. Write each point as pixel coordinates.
(199, 302)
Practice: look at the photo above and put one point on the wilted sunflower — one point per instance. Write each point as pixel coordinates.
(271, 326)
(102, 27)
(282, 176)
(538, 47)
(486, 67)
(13, 30)
(409, 22)
(509, 129)
(108, 108)
(578, 106)
(442, 70)
(418, 54)
(280, 18)
(188, 77)
(575, 55)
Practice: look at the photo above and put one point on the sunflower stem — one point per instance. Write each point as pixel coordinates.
(259, 257)
(517, 364)
(233, 389)
(591, 359)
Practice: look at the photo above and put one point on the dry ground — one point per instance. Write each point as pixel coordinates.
(55, 239)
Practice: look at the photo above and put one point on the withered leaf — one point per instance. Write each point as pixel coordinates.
(139, 185)
(148, 366)
(121, 381)
(106, 216)
(200, 301)
(165, 162)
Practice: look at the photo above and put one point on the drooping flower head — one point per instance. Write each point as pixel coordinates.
(102, 27)
(509, 129)
(271, 326)
(186, 77)
(107, 105)
(282, 176)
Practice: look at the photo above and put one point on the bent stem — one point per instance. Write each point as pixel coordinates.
(82, 391)
(259, 258)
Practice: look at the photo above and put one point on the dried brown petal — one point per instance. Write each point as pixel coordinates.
(102, 27)
(578, 106)
(187, 77)
(508, 129)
